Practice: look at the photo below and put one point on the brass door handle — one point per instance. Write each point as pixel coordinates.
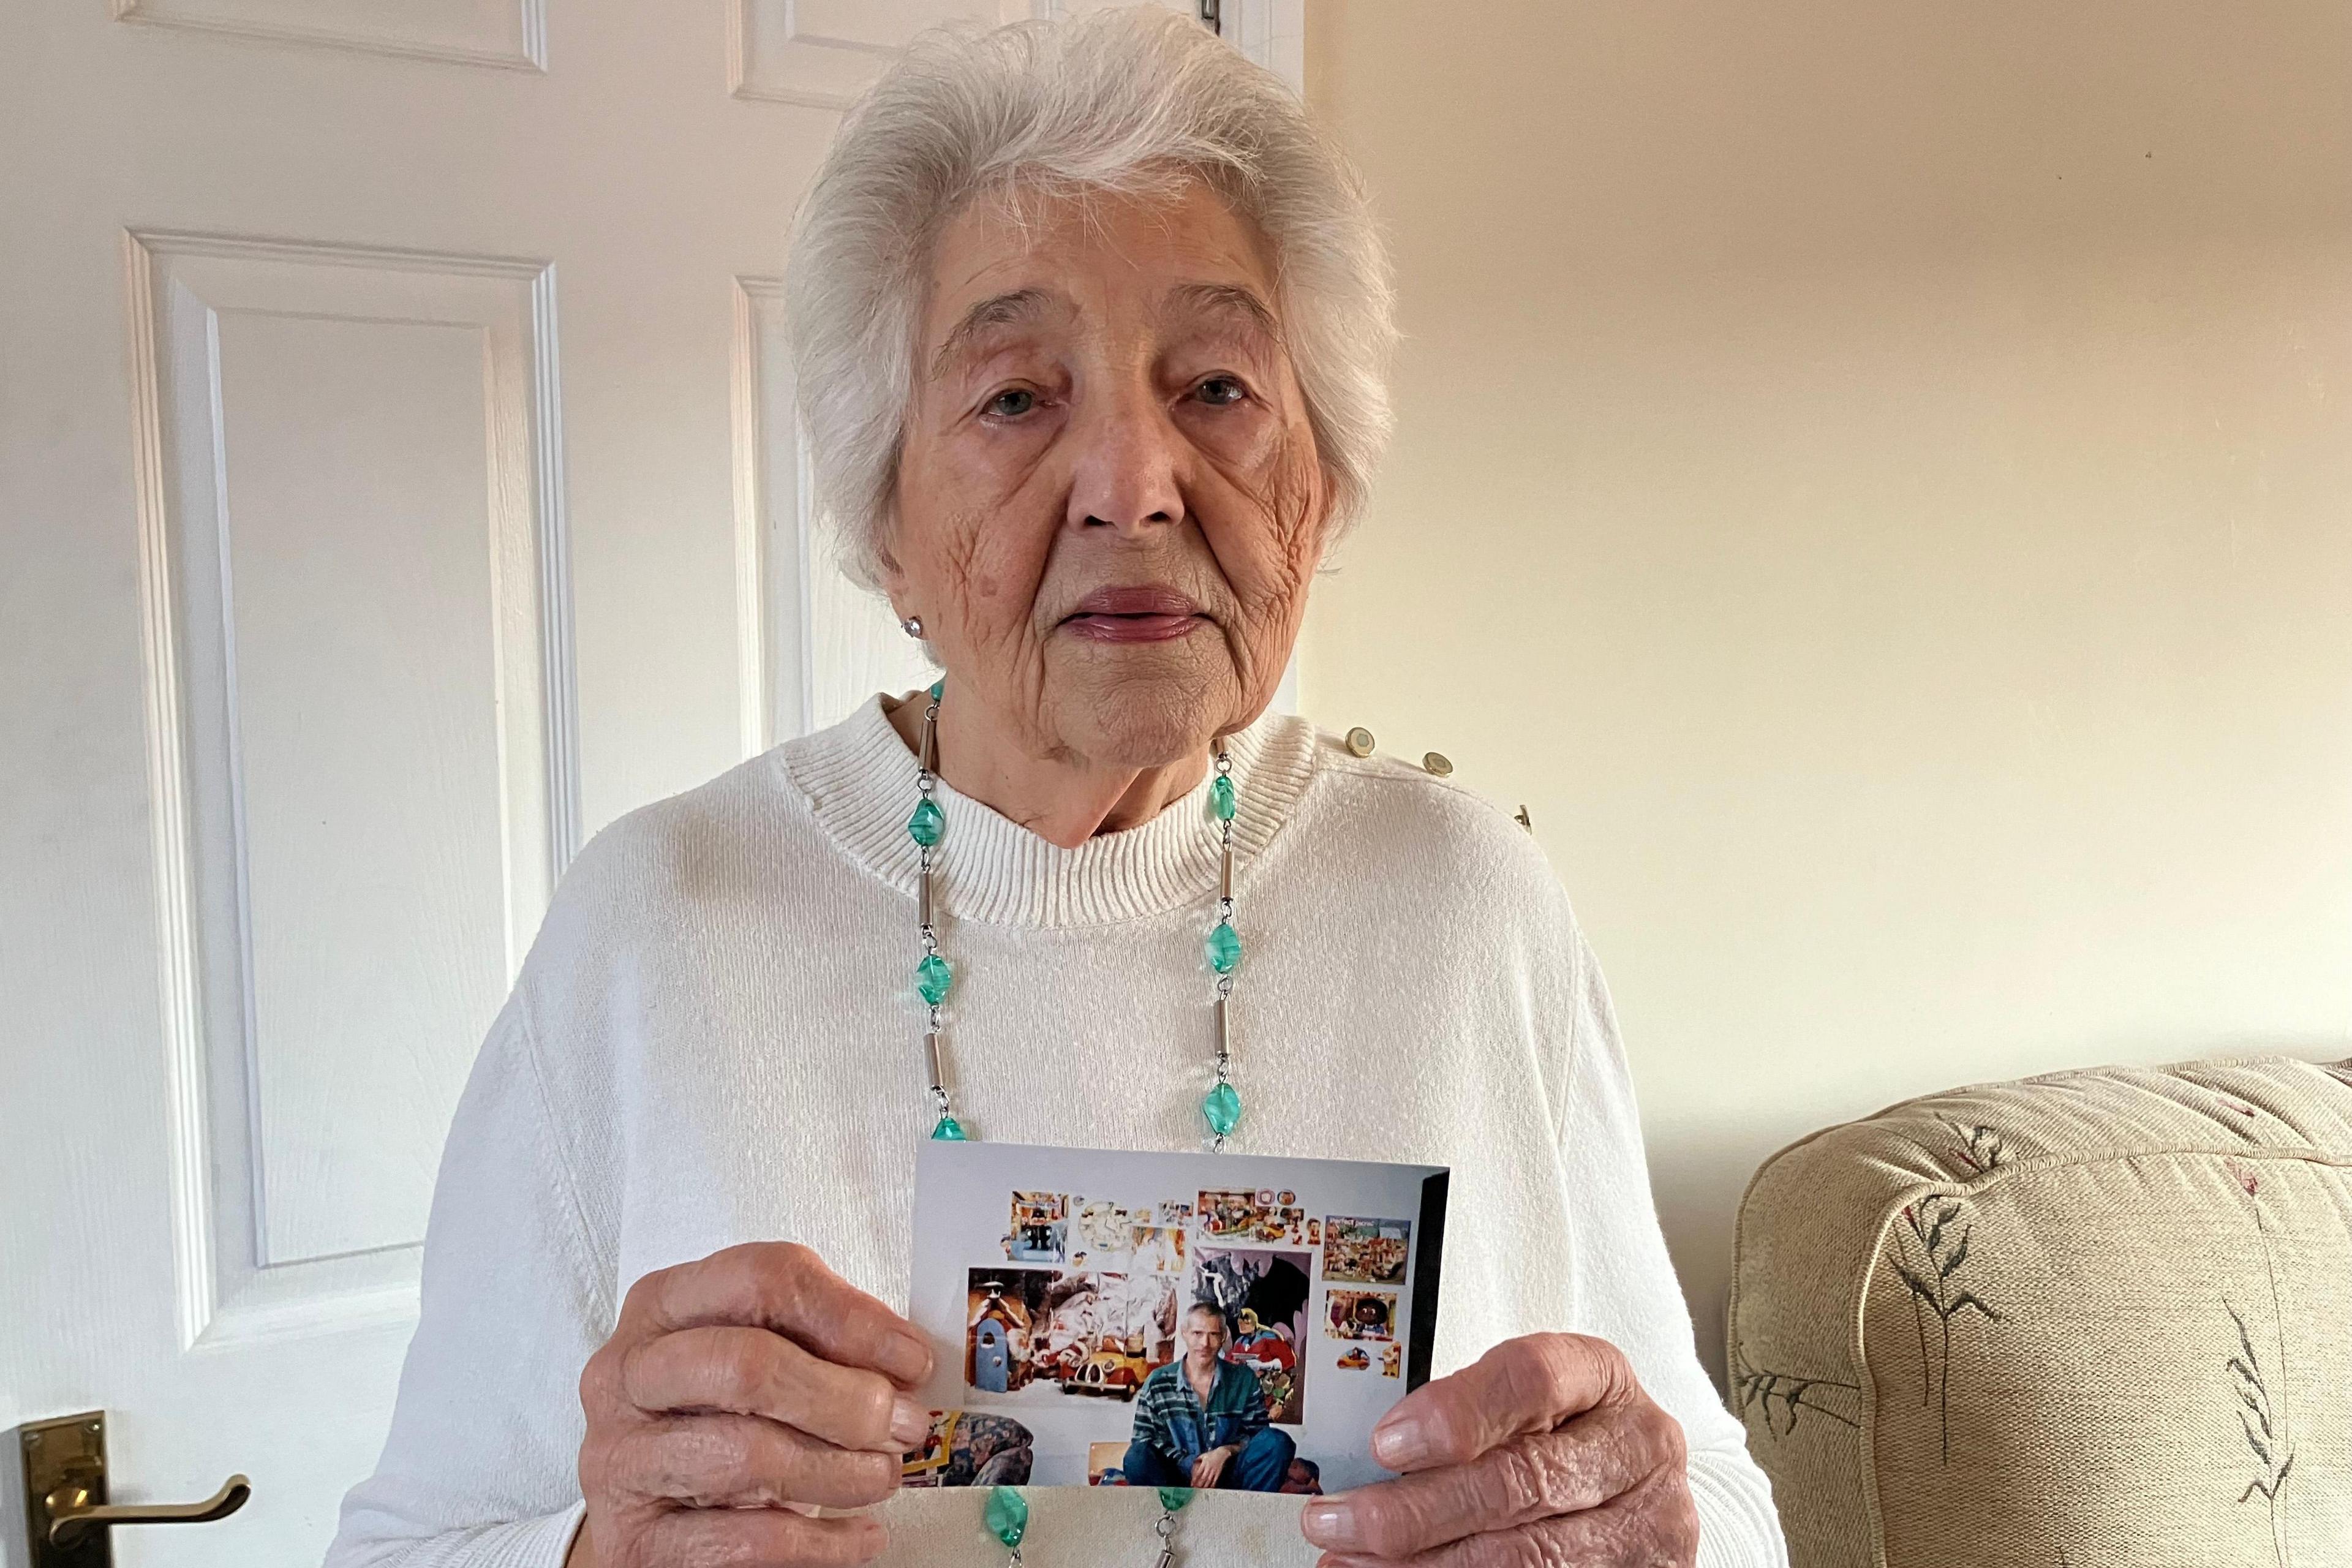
(71, 1510)
(69, 1520)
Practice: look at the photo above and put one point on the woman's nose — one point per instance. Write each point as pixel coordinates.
(1126, 474)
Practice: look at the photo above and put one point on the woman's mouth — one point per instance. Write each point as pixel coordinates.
(1135, 615)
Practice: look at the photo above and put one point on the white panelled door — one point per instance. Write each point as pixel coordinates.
(398, 482)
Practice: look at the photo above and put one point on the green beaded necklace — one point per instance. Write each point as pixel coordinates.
(1007, 1514)
(1221, 1108)
(1007, 1517)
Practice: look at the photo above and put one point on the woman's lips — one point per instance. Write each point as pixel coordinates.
(1135, 615)
(1134, 628)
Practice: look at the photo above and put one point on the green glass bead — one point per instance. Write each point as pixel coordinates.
(1223, 1109)
(928, 823)
(1225, 948)
(1174, 1498)
(932, 978)
(938, 688)
(1221, 798)
(948, 1130)
(1007, 1515)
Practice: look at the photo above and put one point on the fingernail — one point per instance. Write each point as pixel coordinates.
(909, 1422)
(914, 1358)
(1330, 1523)
(1400, 1443)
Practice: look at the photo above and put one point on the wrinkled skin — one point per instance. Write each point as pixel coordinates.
(737, 1393)
(1543, 1453)
(1103, 401)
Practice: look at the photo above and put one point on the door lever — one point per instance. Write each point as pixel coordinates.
(68, 1521)
(71, 1510)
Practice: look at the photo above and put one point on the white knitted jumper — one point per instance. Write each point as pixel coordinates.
(714, 1041)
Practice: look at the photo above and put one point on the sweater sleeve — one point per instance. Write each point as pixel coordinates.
(1624, 1286)
(480, 1470)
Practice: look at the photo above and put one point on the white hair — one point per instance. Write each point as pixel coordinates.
(1131, 101)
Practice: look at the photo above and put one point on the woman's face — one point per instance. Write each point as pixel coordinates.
(1108, 504)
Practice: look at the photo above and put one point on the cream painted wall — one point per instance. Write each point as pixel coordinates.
(1877, 482)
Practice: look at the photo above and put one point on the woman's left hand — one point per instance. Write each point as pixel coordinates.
(1545, 1450)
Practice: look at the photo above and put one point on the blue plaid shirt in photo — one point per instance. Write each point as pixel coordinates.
(1170, 1419)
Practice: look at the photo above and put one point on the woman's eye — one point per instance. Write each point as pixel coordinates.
(1012, 402)
(1221, 390)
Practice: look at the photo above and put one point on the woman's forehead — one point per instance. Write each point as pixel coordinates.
(1228, 310)
(1036, 262)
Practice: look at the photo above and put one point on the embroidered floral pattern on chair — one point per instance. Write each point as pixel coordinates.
(2275, 1460)
(2094, 1320)
(1754, 1393)
(1942, 1253)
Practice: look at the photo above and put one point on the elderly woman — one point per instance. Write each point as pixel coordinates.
(1089, 324)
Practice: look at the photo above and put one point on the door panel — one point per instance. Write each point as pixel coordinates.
(397, 483)
(357, 803)
(817, 647)
(825, 52)
(474, 31)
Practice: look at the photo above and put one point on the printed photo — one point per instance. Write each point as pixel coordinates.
(1360, 1314)
(1223, 1212)
(933, 1453)
(971, 1448)
(1158, 1249)
(1370, 1251)
(1091, 1333)
(1262, 1298)
(1113, 1319)
(1206, 1419)
(1251, 1216)
(1103, 1229)
(1038, 1229)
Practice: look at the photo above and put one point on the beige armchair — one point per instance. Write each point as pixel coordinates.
(2100, 1318)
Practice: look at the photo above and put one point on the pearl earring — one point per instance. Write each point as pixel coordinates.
(912, 626)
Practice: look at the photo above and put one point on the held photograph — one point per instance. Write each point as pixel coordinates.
(1113, 1319)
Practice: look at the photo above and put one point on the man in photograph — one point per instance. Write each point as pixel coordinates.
(1200, 1420)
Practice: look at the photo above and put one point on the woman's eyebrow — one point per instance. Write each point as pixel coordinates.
(1231, 300)
(997, 310)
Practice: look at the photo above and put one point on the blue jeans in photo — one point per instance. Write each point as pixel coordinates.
(1260, 1465)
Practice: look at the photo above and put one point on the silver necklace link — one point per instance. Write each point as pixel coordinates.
(1165, 1527)
(926, 780)
(1224, 916)
(935, 1029)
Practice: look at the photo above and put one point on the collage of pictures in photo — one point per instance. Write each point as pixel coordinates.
(1260, 1307)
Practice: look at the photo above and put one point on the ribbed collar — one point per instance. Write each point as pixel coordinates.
(858, 778)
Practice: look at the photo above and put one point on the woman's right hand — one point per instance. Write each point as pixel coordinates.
(736, 1392)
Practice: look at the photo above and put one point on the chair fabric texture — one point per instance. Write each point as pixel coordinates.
(2094, 1320)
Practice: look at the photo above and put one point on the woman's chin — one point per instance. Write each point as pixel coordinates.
(1140, 705)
